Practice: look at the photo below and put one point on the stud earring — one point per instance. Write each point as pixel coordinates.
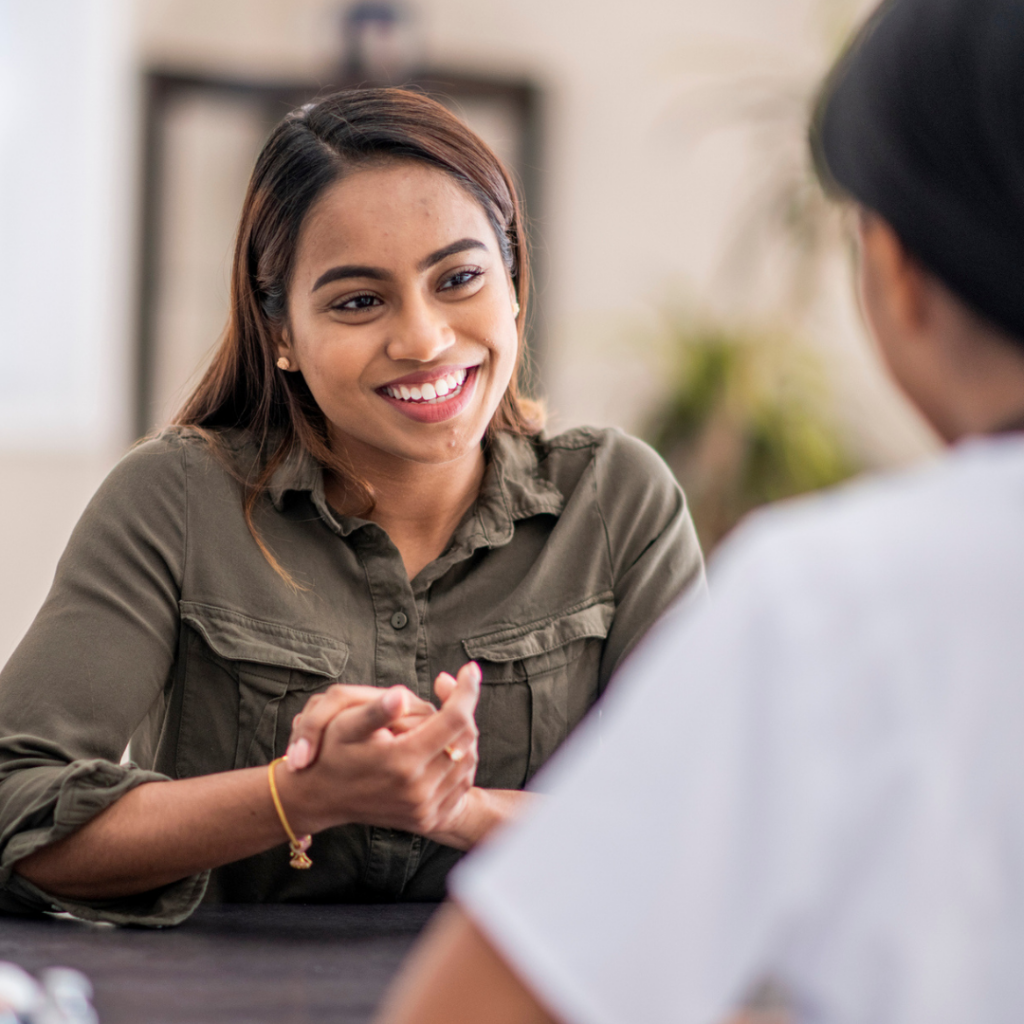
(283, 364)
(515, 310)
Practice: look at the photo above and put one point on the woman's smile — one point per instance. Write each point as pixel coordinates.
(432, 396)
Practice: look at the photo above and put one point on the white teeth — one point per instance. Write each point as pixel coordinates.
(429, 392)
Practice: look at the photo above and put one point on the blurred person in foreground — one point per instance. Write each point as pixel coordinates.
(820, 778)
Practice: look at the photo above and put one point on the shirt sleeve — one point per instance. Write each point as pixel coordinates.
(663, 875)
(653, 546)
(93, 665)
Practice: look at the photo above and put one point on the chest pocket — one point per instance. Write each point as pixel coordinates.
(273, 669)
(553, 663)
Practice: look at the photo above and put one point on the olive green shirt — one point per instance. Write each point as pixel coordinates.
(167, 626)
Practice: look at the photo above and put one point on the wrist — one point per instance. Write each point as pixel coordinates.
(473, 821)
(298, 793)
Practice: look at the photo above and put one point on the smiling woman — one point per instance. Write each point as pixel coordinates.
(353, 593)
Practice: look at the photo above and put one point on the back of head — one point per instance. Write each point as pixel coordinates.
(922, 121)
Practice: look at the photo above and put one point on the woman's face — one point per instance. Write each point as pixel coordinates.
(400, 315)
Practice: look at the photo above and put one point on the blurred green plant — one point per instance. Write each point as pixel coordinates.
(748, 418)
(746, 423)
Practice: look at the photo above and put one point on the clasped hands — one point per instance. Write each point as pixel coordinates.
(388, 758)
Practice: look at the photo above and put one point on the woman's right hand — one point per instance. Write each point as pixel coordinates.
(309, 724)
(415, 780)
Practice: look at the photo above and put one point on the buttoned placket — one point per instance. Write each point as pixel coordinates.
(401, 606)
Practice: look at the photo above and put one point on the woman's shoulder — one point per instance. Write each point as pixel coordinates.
(178, 448)
(175, 464)
(619, 460)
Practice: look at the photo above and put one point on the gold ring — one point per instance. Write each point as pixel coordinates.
(454, 753)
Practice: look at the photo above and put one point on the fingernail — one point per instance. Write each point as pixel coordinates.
(298, 755)
(393, 700)
(477, 674)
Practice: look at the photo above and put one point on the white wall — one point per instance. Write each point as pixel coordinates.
(66, 138)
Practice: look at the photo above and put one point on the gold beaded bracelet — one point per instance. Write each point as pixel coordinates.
(300, 859)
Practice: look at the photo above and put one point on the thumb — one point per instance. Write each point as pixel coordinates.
(444, 684)
(361, 722)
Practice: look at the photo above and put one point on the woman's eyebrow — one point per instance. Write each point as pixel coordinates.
(378, 274)
(351, 270)
(449, 250)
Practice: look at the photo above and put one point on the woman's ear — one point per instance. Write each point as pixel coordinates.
(514, 299)
(285, 355)
(894, 286)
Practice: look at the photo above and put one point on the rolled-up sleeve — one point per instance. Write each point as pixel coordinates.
(93, 665)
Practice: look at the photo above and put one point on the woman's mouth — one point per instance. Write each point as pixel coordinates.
(435, 399)
(446, 386)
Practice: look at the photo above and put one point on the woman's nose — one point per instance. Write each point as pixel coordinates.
(421, 333)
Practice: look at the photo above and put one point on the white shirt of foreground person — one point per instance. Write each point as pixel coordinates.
(818, 778)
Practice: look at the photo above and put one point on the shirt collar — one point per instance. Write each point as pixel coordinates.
(512, 489)
(299, 472)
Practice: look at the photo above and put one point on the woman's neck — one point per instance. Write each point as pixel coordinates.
(418, 505)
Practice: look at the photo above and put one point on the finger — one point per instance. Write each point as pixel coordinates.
(443, 686)
(359, 723)
(454, 718)
(454, 784)
(461, 748)
(463, 751)
(308, 727)
(412, 718)
(309, 724)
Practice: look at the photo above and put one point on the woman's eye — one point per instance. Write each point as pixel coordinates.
(357, 303)
(460, 279)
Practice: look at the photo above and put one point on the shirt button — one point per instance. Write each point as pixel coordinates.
(399, 620)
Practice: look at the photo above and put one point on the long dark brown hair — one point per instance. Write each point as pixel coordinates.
(312, 148)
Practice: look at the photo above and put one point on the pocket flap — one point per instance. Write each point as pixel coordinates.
(591, 618)
(238, 637)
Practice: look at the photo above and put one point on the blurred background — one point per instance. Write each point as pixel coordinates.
(693, 287)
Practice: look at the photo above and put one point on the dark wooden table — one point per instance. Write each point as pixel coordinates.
(230, 964)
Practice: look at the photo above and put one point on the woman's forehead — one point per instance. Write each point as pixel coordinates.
(397, 212)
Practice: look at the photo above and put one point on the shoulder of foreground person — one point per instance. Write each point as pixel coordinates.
(790, 712)
(958, 510)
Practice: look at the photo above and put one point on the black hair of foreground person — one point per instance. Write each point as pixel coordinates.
(848, 812)
(921, 122)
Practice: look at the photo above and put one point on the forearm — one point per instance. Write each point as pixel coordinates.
(159, 833)
(486, 810)
(455, 976)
